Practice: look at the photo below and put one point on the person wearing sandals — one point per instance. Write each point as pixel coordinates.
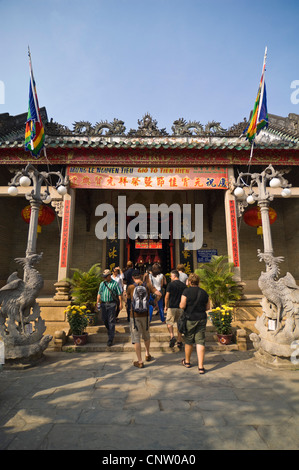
(173, 295)
(195, 302)
(139, 322)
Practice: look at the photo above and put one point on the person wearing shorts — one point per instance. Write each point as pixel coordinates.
(195, 302)
(139, 323)
(173, 295)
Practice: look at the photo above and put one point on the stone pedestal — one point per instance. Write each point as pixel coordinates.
(62, 291)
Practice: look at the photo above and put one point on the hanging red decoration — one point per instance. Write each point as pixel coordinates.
(45, 217)
(253, 218)
(156, 258)
(140, 259)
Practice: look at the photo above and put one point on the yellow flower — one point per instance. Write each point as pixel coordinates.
(84, 307)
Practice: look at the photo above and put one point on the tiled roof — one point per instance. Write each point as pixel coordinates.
(282, 133)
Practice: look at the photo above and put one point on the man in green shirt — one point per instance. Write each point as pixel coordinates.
(109, 295)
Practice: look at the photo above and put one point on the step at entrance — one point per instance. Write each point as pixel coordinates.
(97, 338)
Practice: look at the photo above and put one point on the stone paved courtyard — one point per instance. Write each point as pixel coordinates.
(100, 401)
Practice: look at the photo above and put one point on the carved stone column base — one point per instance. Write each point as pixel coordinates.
(62, 291)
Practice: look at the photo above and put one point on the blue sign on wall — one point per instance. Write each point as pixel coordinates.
(204, 256)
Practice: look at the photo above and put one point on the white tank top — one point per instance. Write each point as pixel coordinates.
(157, 281)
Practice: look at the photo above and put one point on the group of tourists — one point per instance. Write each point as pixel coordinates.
(150, 290)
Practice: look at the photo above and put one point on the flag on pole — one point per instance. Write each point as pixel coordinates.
(34, 132)
(259, 118)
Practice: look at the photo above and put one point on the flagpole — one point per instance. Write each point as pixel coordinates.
(32, 85)
(34, 97)
(263, 85)
(251, 154)
(260, 101)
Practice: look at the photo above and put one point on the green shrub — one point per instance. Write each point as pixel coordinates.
(216, 278)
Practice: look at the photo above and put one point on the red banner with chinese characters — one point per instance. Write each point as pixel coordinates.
(148, 244)
(65, 233)
(235, 244)
(148, 177)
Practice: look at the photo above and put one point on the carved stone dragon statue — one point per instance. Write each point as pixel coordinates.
(280, 303)
(18, 306)
(116, 127)
(181, 127)
(18, 295)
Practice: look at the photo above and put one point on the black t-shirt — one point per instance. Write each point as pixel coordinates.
(128, 276)
(175, 289)
(199, 312)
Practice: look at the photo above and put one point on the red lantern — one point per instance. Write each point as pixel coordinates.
(140, 259)
(45, 217)
(253, 218)
(156, 258)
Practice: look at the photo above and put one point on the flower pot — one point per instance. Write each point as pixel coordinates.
(224, 339)
(80, 340)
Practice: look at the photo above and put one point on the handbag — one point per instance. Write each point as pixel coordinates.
(182, 321)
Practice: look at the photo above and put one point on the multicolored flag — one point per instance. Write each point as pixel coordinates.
(259, 118)
(34, 132)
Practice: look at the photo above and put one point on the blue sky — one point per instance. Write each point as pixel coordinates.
(196, 59)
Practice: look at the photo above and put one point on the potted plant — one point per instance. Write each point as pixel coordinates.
(84, 288)
(78, 321)
(216, 278)
(221, 318)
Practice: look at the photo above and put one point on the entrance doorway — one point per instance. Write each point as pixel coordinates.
(150, 248)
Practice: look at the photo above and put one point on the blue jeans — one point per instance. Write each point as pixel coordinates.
(128, 309)
(109, 317)
(160, 308)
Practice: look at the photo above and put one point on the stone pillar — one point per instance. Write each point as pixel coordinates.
(232, 235)
(66, 241)
(267, 238)
(32, 231)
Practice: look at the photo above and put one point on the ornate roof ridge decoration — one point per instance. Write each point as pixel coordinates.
(147, 127)
(283, 131)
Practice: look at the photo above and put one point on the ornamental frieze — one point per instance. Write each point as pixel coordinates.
(159, 157)
(147, 127)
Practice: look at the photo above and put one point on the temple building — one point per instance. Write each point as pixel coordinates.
(192, 165)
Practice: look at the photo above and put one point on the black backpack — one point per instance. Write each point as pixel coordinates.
(140, 301)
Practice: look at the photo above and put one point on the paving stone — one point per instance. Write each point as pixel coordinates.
(101, 401)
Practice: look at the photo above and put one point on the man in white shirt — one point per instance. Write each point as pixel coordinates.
(183, 277)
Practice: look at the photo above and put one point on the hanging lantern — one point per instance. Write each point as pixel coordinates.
(45, 217)
(140, 259)
(253, 218)
(148, 259)
(156, 258)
